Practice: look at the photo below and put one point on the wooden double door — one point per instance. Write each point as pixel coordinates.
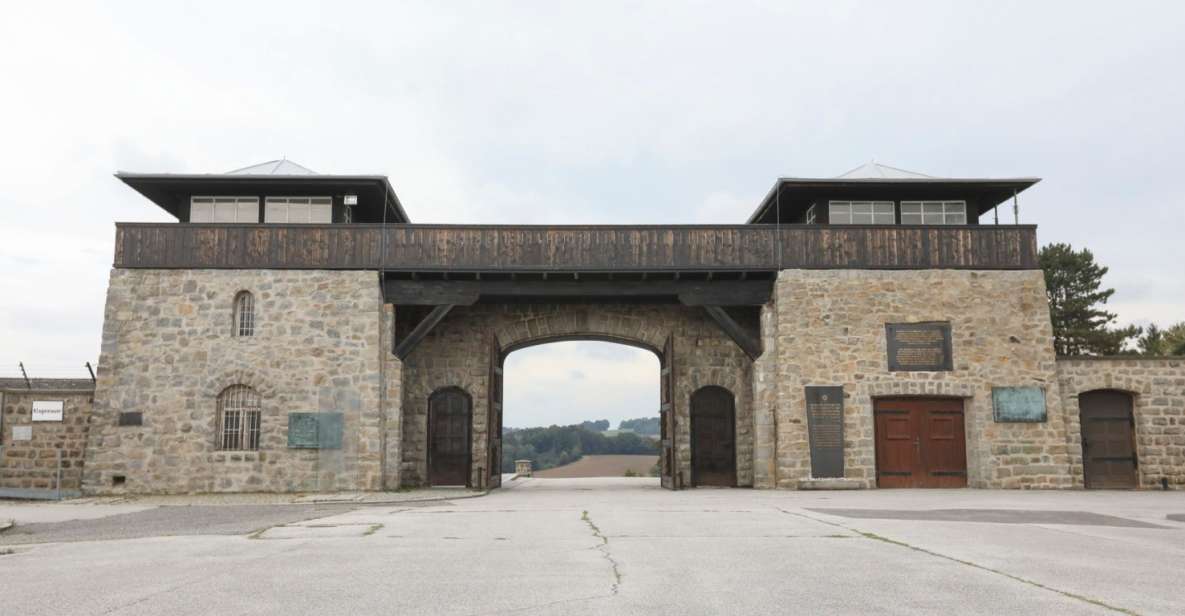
(1108, 440)
(920, 443)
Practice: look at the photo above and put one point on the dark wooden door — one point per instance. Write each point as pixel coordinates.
(1108, 439)
(713, 437)
(494, 420)
(668, 466)
(920, 443)
(450, 416)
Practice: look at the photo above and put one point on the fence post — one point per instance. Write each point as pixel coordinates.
(58, 479)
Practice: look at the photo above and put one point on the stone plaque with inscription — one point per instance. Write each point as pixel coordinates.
(824, 419)
(314, 430)
(1018, 404)
(919, 347)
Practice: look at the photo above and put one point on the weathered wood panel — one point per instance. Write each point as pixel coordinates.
(482, 248)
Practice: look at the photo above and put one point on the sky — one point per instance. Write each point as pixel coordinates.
(602, 112)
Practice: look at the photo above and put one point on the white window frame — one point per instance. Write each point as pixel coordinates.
(934, 212)
(878, 212)
(298, 210)
(205, 209)
(812, 214)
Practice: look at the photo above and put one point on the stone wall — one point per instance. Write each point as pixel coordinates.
(34, 463)
(1157, 387)
(167, 351)
(457, 352)
(828, 328)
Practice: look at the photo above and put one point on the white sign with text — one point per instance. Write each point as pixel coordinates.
(47, 410)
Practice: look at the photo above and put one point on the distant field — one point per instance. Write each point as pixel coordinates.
(602, 466)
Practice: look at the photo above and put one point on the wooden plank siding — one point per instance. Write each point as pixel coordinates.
(487, 248)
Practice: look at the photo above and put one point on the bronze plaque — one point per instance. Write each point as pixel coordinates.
(314, 430)
(824, 420)
(919, 347)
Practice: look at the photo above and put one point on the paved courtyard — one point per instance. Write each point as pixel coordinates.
(607, 546)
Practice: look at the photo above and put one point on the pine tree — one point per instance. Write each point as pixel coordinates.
(1157, 342)
(1073, 284)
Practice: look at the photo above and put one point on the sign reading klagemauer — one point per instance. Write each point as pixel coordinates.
(48, 410)
(824, 421)
(919, 347)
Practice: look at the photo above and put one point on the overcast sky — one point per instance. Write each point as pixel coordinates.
(611, 113)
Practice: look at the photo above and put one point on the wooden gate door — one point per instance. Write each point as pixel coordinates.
(1108, 440)
(494, 421)
(713, 437)
(920, 443)
(450, 416)
(668, 466)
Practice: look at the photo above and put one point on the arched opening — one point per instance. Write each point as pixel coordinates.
(450, 416)
(1108, 439)
(713, 437)
(580, 407)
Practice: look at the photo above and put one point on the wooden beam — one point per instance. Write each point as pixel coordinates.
(405, 346)
(689, 292)
(749, 343)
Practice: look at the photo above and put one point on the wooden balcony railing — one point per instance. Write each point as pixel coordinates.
(488, 248)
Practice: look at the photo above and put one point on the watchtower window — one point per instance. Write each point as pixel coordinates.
(224, 209)
(861, 213)
(238, 418)
(933, 212)
(244, 314)
(298, 210)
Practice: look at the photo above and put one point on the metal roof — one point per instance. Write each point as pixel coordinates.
(872, 175)
(873, 169)
(164, 189)
(281, 166)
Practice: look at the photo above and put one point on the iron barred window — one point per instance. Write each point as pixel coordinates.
(244, 314)
(238, 418)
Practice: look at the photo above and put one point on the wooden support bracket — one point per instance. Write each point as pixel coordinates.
(749, 342)
(405, 346)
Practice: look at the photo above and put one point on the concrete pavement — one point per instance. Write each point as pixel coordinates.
(624, 546)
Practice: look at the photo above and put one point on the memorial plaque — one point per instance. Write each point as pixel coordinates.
(824, 419)
(314, 430)
(131, 419)
(919, 347)
(1018, 404)
(48, 410)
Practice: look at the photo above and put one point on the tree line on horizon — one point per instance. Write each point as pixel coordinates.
(559, 445)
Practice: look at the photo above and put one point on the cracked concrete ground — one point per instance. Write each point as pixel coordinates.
(624, 546)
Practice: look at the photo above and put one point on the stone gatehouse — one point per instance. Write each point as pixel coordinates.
(296, 332)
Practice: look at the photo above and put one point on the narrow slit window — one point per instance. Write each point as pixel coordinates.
(244, 314)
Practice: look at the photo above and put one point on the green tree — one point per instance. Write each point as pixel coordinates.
(1073, 284)
(1159, 342)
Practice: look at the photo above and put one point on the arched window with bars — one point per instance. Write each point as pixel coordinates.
(238, 418)
(244, 314)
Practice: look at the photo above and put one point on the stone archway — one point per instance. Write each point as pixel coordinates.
(457, 353)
